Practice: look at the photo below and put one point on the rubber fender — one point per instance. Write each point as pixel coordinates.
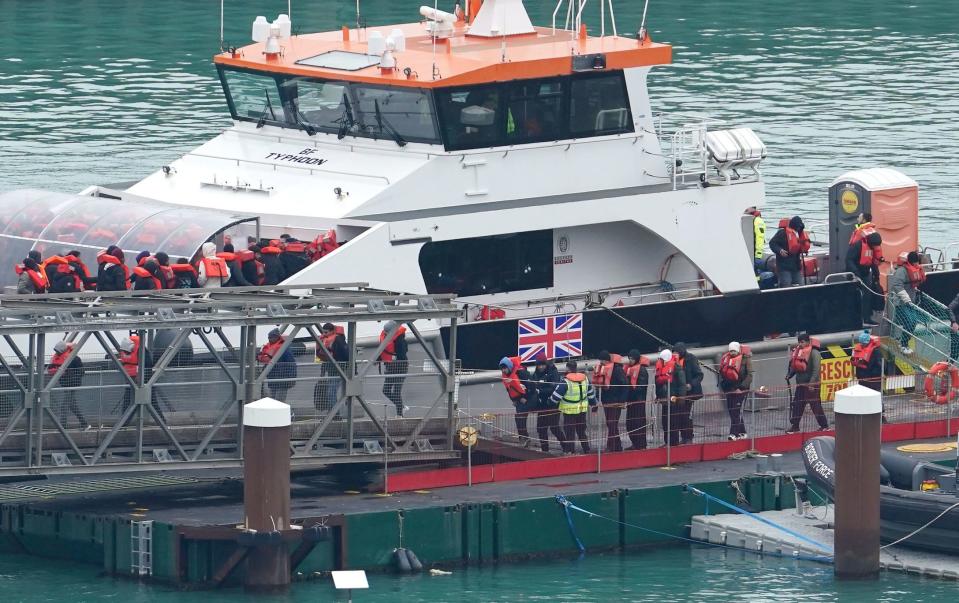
(316, 534)
(402, 561)
(415, 564)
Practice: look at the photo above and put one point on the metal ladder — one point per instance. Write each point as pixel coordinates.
(141, 548)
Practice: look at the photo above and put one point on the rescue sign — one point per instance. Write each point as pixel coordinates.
(835, 372)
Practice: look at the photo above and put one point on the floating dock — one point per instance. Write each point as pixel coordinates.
(816, 525)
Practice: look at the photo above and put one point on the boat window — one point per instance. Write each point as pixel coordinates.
(471, 118)
(407, 111)
(483, 265)
(320, 104)
(598, 105)
(535, 111)
(252, 96)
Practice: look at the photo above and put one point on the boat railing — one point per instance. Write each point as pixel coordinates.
(687, 145)
(922, 330)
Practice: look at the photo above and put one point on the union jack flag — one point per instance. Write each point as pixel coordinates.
(556, 336)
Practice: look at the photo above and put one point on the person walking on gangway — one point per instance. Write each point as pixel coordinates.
(574, 396)
(395, 362)
(545, 379)
(804, 365)
(71, 377)
(735, 379)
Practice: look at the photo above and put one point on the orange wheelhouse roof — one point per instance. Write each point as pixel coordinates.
(460, 60)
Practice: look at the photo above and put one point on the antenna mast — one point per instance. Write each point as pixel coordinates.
(221, 25)
(642, 25)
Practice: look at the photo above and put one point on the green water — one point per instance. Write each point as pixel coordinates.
(658, 576)
(100, 91)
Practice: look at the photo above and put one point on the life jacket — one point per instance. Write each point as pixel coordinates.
(141, 272)
(167, 276)
(322, 245)
(39, 280)
(130, 360)
(297, 247)
(861, 232)
(389, 352)
(77, 262)
(60, 275)
(730, 367)
(916, 274)
(58, 359)
(799, 361)
(603, 373)
(215, 267)
(576, 399)
(862, 354)
(271, 249)
(327, 341)
(633, 371)
(870, 255)
(105, 258)
(514, 387)
(665, 370)
(184, 276)
(487, 313)
(796, 242)
(226, 256)
(269, 350)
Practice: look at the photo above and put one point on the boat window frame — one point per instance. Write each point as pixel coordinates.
(504, 88)
(289, 122)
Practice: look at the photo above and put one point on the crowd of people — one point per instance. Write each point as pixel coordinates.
(674, 381)
(263, 262)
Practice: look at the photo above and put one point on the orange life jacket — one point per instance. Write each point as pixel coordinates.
(58, 359)
(322, 245)
(633, 371)
(270, 349)
(514, 387)
(862, 354)
(327, 341)
(75, 260)
(214, 267)
(861, 232)
(131, 359)
(295, 247)
(603, 372)
(870, 255)
(167, 276)
(665, 370)
(226, 256)
(797, 242)
(799, 361)
(180, 268)
(389, 352)
(141, 272)
(39, 280)
(730, 367)
(270, 250)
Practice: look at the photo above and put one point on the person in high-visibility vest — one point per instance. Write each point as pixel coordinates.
(759, 238)
(574, 396)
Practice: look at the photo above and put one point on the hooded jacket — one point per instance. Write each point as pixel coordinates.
(208, 252)
(779, 243)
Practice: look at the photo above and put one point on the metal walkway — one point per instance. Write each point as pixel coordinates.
(199, 365)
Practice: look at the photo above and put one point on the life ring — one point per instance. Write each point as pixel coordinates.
(941, 390)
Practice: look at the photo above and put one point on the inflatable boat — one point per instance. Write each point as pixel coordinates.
(912, 494)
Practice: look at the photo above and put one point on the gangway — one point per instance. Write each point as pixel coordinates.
(198, 366)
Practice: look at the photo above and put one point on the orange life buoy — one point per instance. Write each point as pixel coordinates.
(942, 383)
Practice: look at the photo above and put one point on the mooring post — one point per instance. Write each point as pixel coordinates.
(858, 427)
(266, 491)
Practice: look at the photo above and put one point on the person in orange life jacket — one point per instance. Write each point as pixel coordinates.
(212, 272)
(184, 274)
(569, 397)
(804, 365)
(544, 378)
(72, 376)
(637, 379)
(735, 379)
(237, 279)
(253, 270)
(279, 380)
(670, 381)
(142, 257)
(89, 282)
(863, 259)
(394, 359)
(293, 255)
(609, 379)
(693, 374)
(145, 277)
(61, 276)
(30, 280)
(129, 354)
(517, 381)
(112, 273)
(330, 348)
(904, 286)
(273, 271)
(165, 271)
(867, 361)
(789, 244)
(863, 226)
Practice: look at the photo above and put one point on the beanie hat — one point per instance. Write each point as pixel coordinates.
(506, 363)
(273, 333)
(604, 356)
(864, 337)
(634, 353)
(540, 358)
(60, 347)
(666, 355)
(389, 325)
(735, 347)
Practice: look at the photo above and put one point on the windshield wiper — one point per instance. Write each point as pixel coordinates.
(302, 121)
(347, 122)
(385, 126)
(267, 107)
